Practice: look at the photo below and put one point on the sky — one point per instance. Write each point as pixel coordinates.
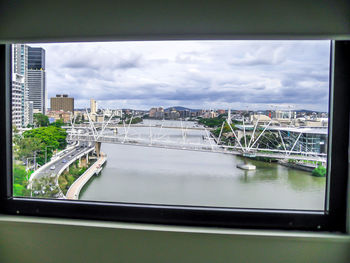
(249, 75)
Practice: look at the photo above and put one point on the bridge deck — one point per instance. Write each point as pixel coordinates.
(116, 126)
(199, 147)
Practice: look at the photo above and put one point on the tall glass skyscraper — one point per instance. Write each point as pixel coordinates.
(36, 58)
(36, 79)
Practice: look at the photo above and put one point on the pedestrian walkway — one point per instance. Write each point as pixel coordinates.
(74, 190)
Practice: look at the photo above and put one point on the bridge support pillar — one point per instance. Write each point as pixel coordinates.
(87, 158)
(98, 148)
(82, 162)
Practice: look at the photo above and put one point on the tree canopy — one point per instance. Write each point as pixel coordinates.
(20, 181)
(41, 120)
(212, 122)
(58, 123)
(44, 140)
(319, 171)
(245, 142)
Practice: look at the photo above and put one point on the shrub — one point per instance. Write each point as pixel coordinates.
(319, 171)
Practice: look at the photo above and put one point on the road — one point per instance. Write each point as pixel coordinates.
(53, 170)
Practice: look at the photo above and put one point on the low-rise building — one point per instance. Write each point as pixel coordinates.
(260, 118)
(59, 115)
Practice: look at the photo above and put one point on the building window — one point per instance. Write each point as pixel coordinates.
(222, 133)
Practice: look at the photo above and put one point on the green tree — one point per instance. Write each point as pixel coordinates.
(242, 141)
(319, 171)
(14, 129)
(20, 181)
(269, 140)
(226, 129)
(211, 122)
(59, 123)
(51, 138)
(136, 120)
(27, 146)
(41, 120)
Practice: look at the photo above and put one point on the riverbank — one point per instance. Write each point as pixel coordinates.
(67, 178)
(301, 167)
(74, 190)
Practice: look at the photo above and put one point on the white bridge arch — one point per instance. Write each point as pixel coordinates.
(255, 143)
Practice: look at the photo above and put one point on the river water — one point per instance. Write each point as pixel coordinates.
(149, 175)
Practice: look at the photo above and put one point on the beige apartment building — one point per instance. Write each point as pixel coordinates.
(62, 103)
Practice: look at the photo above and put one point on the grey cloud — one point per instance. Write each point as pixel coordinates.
(209, 72)
(84, 61)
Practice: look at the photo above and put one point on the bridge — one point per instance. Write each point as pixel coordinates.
(99, 125)
(187, 139)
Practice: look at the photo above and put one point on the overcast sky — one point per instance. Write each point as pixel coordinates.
(196, 74)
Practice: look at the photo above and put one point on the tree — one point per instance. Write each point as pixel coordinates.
(27, 146)
(59, 123)
(136, 120)
(41, 120)
(14, 129)
(225, 129)
(319, 171)
(50, 136)
(212, 122)
(242, 141)
(20, 181)
(269, 140)
(46, 140)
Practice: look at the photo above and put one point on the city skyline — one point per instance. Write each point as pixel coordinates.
(193, 74)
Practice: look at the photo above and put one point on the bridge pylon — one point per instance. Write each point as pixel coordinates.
(98, 148)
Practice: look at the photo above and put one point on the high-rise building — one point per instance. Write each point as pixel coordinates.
(93, 106)
(152, 112)
(30, 113)
(62, 103)
(36, 57)
(20, 113)
(17, 83)
(36, 79)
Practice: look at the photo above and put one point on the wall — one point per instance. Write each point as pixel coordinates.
(124, 19)
(25, 239)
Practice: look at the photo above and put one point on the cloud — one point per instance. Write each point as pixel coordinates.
(195, 74)
(86, 62)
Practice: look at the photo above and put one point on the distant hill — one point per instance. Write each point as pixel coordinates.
(306, 111)
(180, 108)
(302, 110)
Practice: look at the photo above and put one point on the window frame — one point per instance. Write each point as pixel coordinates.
(332, 219)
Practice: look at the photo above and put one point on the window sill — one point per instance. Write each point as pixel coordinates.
(179, 229)
(34, 239)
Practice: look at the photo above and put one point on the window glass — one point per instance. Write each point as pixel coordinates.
(200, 123)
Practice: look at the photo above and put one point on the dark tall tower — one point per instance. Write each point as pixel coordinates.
(36, 58)
(36, 79)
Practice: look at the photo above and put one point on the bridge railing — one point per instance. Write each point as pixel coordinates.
(273, 153)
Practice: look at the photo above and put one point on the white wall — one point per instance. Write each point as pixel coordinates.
(25, 239)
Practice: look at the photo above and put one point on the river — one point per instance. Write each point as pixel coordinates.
(149, 175)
